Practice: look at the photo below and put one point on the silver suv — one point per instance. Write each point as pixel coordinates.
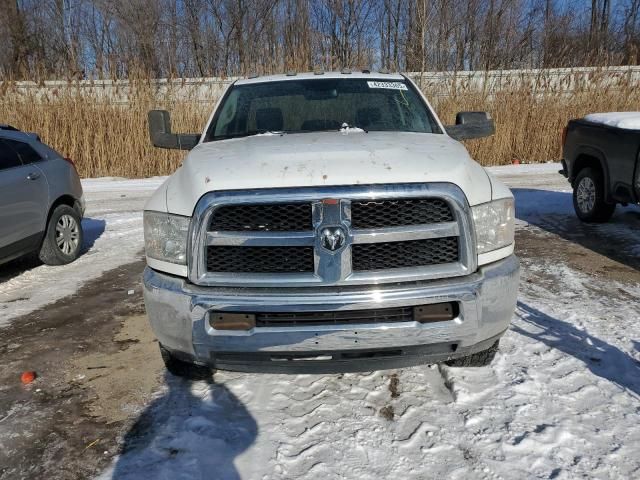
(41, 200)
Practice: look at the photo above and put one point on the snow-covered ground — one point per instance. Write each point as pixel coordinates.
(561, 400)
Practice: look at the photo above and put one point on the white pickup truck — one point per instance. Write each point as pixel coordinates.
(328, 222)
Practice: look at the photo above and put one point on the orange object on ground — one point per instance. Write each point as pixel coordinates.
(28, 377)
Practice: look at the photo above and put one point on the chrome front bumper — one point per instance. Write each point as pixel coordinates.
(179, 310)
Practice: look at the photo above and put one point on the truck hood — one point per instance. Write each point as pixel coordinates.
(324, 159)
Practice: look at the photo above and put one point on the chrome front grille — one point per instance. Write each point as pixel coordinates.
(389, 233)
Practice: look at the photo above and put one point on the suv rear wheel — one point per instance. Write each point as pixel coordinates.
(588, 197)
(63, 239)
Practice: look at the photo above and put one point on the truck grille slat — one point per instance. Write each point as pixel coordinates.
(270, 217)
(380, 315)
(397, 213)
(259, 259)
(414, 253)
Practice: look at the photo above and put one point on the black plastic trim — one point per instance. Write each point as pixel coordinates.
(21, 247)
(365, 360)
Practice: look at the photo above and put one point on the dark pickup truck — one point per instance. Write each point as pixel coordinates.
(601, 160)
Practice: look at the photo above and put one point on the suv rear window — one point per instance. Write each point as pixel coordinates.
(8, 157)
(312, 105)
(24, 150)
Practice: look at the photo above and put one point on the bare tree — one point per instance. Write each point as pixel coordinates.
(115, 38)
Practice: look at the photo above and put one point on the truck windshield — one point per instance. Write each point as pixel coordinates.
(315, 105)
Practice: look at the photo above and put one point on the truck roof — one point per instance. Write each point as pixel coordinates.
(318, 75)
(626, 120)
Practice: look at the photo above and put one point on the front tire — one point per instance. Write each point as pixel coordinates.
(480, 359)
(588, 197)
(63, 239)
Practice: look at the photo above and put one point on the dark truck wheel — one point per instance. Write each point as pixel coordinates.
(63, 239)
(480, 359)
(588, 197)
(180, 368)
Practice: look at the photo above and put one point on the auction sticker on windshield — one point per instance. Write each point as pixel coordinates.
(389, 85)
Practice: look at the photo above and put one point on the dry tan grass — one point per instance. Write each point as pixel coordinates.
(104, 138)
(107, 138)
(530, 116)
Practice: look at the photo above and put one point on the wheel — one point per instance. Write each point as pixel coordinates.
(588, 197)
(180, 368)
(63, 239)
(480, 359)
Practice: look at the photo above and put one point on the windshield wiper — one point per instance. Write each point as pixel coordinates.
(268, 132)
(250, 133)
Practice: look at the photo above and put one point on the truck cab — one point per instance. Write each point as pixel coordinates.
(328, 222)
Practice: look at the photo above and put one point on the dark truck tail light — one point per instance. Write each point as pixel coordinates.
(564, 170)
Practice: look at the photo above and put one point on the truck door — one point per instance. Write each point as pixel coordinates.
(24, 197)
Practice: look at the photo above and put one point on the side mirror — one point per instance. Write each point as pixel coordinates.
(471, 125)
(161, 136)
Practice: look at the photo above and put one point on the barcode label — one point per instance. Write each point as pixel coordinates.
(388, 85)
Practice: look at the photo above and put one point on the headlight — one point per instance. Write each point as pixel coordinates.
(494, 223)
(165, 236)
